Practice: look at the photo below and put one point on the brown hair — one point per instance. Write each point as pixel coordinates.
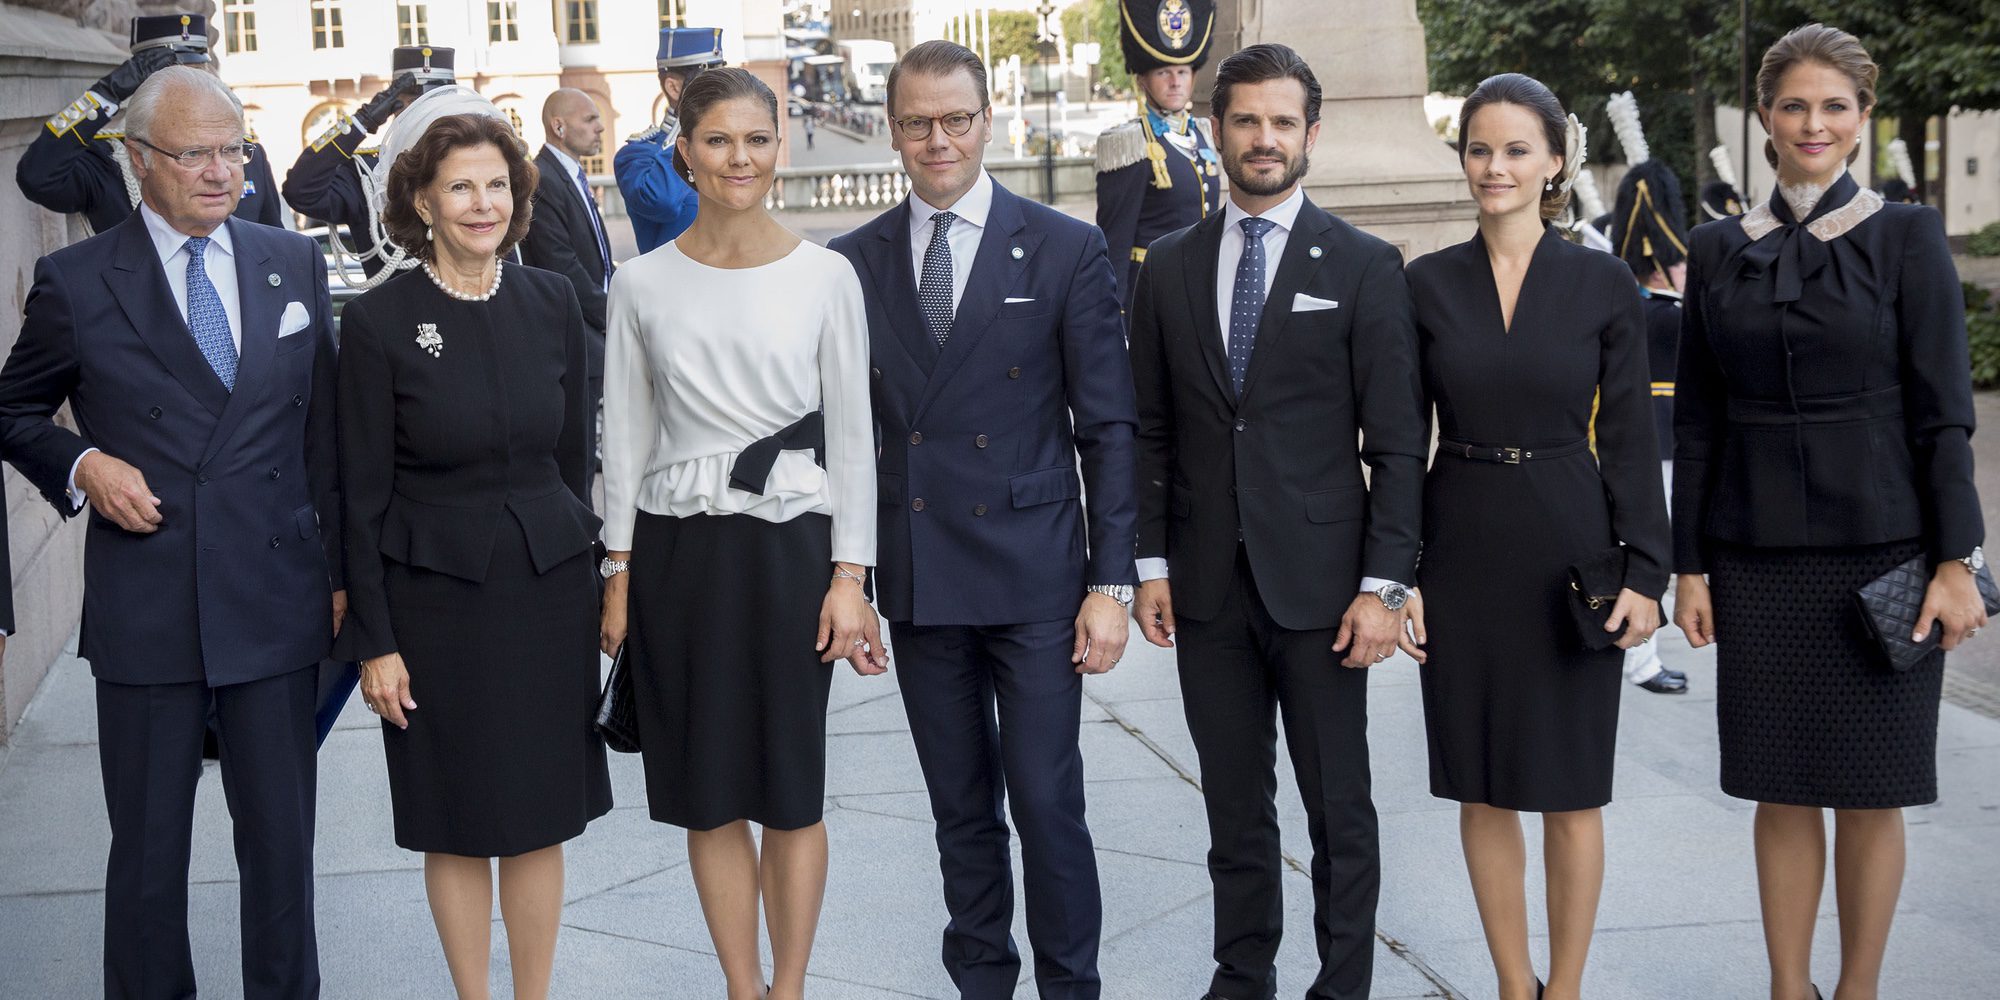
(938, 58)
(1525, 92)
(418, 165)
(1827, 46)
(713, 87)
(1261, 64)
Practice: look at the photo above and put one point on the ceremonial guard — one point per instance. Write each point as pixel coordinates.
(78, 164)
(658, 198)
(1719, 197)
(1158, 172)
(331, 179)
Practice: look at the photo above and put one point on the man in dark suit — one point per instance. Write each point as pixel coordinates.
(196, 354)
(998, 358)
(1265, 340)
(568, 236)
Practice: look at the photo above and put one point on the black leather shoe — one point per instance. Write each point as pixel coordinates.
(1666, 683)
(1675, 674)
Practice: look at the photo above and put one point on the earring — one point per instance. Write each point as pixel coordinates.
(429, 236)
(1550, 186)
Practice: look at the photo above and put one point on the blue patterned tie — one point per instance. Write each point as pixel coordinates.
(206, 318)
(596, 226)
(1246, 305)
(934, 290)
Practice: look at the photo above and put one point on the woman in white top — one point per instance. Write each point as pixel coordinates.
(736, 367)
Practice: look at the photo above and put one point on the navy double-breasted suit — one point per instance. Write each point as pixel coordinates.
(988, 538)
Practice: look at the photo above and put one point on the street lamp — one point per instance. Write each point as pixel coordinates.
(1047, 47)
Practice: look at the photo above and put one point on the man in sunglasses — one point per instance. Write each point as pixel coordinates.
(998, 361)
(78, 164)
(658, 197)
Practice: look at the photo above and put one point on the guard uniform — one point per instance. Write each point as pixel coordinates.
(1158, 172)
(659, 201)
(79, 164)
(325, 182)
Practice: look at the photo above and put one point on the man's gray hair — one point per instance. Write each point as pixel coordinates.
(144, 104)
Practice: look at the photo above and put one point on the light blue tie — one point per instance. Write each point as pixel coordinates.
(1246, 305)
(206, 318)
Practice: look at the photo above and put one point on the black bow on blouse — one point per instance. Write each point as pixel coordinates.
(1791, 254)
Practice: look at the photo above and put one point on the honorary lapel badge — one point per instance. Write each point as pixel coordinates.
(1315, 253)
(428, 339)
(1019, 253)
(273, 279)
(1176, 23)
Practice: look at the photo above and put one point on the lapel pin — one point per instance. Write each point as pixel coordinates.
(274, 280)
(1019, 253)
(1315, 253)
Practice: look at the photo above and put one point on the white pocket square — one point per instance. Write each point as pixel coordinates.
(294, 319)
(1307, 303)
(1010, 302)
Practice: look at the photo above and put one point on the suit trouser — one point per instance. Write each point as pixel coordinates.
(1235, 669)
(994, 711)
(149, 747)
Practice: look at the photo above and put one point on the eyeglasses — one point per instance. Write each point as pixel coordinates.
(955, 124)
(235, 154)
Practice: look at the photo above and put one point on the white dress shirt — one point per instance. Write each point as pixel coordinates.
(736, 355)
(1284, 216)
(571, 169)
(218, 260)
(971, 209)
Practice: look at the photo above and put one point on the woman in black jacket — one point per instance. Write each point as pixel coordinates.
(1822, 427)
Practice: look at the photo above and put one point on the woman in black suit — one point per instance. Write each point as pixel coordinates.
(463, 408)
(1519, 331)
(1822, 424)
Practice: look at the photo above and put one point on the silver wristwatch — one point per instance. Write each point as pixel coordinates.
(1393, 596)
(1976, 561)
(1120, 592)
(609, 567)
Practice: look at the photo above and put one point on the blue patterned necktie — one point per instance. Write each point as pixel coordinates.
(596, 226)
(934, 290)
(1246, 305)
(206, 318)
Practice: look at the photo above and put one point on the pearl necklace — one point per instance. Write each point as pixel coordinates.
(461, 296)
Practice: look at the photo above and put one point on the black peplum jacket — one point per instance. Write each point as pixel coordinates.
(1824, 397)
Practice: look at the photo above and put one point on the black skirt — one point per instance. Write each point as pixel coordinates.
(502, 756)
(1808, 711)
(731, 696)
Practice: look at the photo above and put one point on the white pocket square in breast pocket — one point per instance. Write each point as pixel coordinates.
(294, 319)
(1010, 302)
(1306, 303)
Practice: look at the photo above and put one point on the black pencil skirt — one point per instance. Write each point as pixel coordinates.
(731, 696)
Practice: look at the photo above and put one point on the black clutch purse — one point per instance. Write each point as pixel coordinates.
(1890, 603)
(1594, 584)
(617, 715)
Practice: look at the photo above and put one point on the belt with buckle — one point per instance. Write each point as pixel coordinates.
(1509, 456)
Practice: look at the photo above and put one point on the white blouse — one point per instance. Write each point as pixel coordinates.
(702, 361)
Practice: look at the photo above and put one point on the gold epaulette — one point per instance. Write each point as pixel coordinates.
(1121, 145)
(341, 121)
(1207, 130)
(83, 109)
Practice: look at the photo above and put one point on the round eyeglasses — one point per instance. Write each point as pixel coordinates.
(955, 124)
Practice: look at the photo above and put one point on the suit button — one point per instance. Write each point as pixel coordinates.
(979, 442)
(298, 401)
(916, 437)
(274, 473)
(155, 412)
(274, 541)
(917, 504)
(877, 371)
(1013, 373)
(1240, 424)
(201, 479)
(1232, 491)
(979, 510)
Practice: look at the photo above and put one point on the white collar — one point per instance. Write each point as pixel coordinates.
(168, 241)
(1284, 213)
(570, 165)
(972, 206)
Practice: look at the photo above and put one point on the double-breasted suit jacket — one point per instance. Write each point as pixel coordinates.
(236, 584)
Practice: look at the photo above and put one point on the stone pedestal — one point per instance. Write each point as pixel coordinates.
(1379, 165)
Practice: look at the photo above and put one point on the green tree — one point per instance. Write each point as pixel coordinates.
(1014, 34)
(1097, 21)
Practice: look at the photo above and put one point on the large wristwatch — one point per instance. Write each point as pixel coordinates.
(609, 567)
(1120, 592)
(1393, 596)
(1976, 561)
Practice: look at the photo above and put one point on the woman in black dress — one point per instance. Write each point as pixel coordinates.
(462, 410)
(1519, 331)
(1822, 425)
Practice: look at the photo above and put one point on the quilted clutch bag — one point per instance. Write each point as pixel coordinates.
(617, 715)
(1890, 603)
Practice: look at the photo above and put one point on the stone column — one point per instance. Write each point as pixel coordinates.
(1379, 164)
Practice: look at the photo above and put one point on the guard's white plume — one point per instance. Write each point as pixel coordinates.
(1589, 203)
(1623, 110)
(1899, 154)
(1725, 168)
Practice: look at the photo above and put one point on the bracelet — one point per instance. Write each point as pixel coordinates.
(841, 573)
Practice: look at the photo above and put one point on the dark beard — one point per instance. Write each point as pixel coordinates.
(1240, 179)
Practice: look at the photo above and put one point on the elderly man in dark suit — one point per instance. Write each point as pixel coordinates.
(568, 236)
(196, 353)
(998, 360)
(1274, 353)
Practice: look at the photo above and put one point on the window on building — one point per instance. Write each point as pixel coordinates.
(581, 18)
(503, 21)
(239, 25)
(673, 13)
(413, 22)
(327, 31)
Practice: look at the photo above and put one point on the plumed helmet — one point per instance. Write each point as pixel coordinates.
(1647, 228)
(1158, 33)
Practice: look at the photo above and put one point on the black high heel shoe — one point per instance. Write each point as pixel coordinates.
(1538, 989)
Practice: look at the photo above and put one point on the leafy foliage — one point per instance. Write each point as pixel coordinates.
(1985, 242)
(1014, 34)
(1982, 330)
(1097, 21)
